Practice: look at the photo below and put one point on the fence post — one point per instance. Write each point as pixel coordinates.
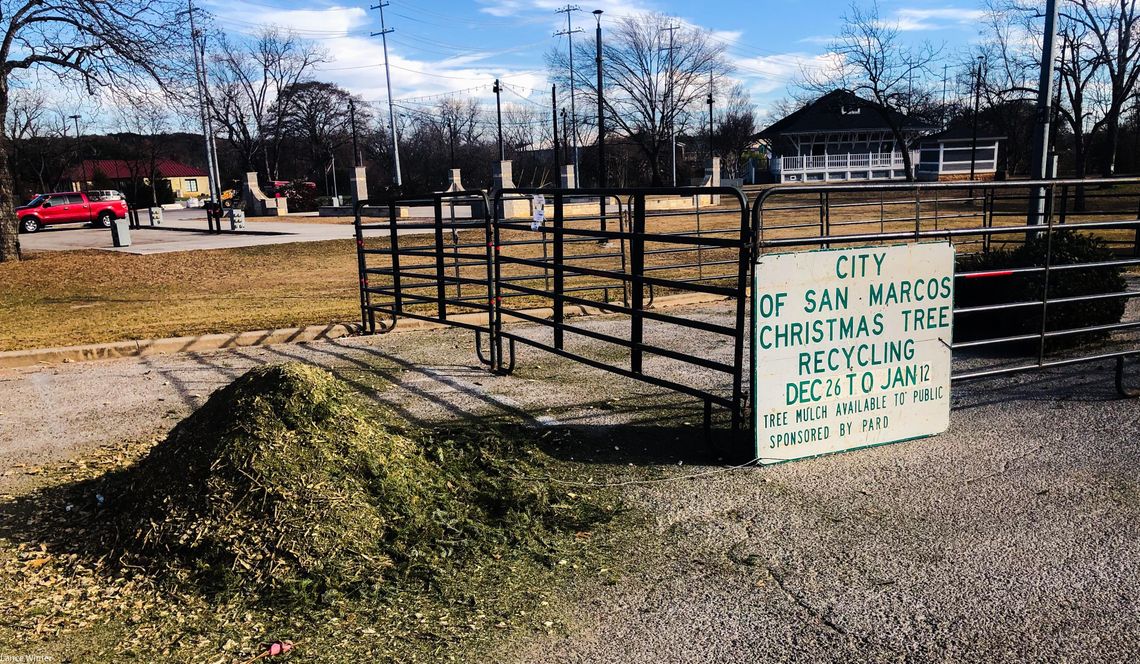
(398, 300)
(494, 247)
(491, 219)
(744, 262)
(1047, 192)
(559, 280)
(362, 270)
(637, 279)
(440, 284)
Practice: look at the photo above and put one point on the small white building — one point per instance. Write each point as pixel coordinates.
(841, 137)
(946, 156)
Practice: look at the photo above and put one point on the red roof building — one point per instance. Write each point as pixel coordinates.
(185, 181)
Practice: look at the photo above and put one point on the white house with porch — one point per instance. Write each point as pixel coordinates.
(840, 137)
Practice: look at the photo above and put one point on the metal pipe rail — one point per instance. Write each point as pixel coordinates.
(654, 247)
(951, 220)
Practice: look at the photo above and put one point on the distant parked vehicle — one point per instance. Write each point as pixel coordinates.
(105, 195)
(69, 208)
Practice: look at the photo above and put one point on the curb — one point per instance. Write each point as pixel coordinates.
(143, 348)
(147, 347)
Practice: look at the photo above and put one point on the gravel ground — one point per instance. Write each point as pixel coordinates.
(1013, 537)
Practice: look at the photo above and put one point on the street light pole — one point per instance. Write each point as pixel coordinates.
(601, 128)
(977, 101)
(352, 119)
(601, 113)
(499, 114)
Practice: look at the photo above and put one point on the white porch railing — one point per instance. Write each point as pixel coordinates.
(828, 162)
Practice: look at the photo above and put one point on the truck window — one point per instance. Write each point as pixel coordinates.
(75, 199)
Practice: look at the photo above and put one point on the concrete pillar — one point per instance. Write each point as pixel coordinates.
(515, 206)
(454, 181)
(359, 184)
(568, 181)
(255, 201)
(712, 177)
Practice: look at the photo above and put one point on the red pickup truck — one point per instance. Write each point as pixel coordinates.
(68, 208)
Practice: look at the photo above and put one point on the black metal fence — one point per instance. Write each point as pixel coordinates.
(620, 251)
(1027, 295)
(463, 260)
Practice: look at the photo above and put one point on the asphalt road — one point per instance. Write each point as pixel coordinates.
(178, 234)
(1015, 536)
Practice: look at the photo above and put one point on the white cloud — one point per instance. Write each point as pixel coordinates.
(912, 19)
(768, 73)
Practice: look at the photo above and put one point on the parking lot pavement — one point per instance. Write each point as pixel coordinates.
(1015, 536)
(182, 230)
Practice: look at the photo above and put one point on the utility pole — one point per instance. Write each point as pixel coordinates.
(669, 104)
(451, 141)
(566, 139)
(384, 30)
(499, 114)
(944, 70)
(79, 152)
(216, 192)
(1044, 104)
(709, 101)
(554, 133)
(207, 122)
(569, 32)
(355, 145)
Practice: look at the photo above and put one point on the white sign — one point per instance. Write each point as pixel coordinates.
(538, 204)
(852, 348)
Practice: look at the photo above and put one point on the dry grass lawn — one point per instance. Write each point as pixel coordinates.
(79, 297)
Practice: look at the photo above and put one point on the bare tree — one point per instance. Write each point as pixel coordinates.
(317, 114)
(145, 120)
(1081, 104)
(40, 146)
(247, 80)
(735, 130)
(648, 88)
(1113, 28)
(119, 43)
(875, 62)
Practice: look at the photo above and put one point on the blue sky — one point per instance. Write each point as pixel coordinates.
(442, 46)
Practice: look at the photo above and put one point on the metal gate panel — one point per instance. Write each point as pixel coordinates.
(593, 258)
(983, 219)
(429, 260)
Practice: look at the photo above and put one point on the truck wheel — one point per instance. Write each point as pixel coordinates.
(104, 220)
(29, 224)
